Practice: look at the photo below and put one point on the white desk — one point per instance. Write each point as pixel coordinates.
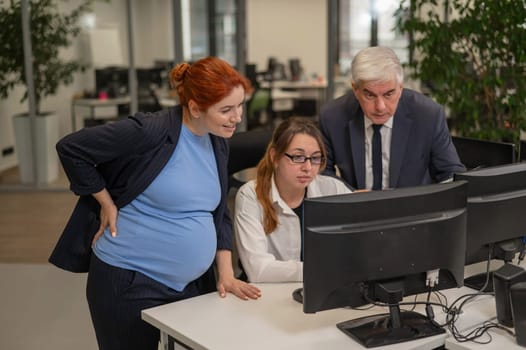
(296, 85)
(282, 100)
(478, 312)
(474, 315)
(500, 340)
(92, 104)
(304, 89)
(275, 321)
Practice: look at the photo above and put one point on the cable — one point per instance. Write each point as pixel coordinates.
(475, 334)
(429, 309)
(488, 273)
(479, 335)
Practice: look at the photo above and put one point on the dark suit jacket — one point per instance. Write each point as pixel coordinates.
(124, 157)
(421, 148)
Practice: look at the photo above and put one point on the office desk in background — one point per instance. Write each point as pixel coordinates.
(296, 85)
(275, 321)
(303, 90)
(93, 104)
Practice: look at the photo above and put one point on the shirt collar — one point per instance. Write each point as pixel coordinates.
(368, 122)
(276, 198)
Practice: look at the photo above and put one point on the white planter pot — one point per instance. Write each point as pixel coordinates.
(45, 138)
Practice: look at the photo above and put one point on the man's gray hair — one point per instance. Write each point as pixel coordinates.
(376, 64)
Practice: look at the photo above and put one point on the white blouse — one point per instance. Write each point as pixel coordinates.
(274, 257)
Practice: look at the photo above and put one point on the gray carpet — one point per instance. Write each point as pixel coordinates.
(43, 307)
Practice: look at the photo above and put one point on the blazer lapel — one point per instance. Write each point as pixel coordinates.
(399, 141)
(357, 138)
(221, 154)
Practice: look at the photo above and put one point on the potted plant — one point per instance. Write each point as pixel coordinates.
(471, 56)
(51, 31)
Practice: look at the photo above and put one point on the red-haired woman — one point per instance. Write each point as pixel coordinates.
(152, 214)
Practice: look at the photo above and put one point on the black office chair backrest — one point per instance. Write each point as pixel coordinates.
(246, 150)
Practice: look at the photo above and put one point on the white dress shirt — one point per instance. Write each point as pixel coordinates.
(274, 257)
(386, 133)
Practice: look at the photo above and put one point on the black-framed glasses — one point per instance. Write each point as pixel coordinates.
(300, 159)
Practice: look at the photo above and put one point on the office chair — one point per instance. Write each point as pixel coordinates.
(246, 150)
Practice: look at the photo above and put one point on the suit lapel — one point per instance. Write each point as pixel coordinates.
(357, 138)
(399, 141)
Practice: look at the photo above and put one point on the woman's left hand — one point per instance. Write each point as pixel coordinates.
(237, 287)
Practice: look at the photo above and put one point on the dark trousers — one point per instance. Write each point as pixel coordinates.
(116, 297)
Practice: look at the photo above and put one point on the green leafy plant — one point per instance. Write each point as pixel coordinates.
(471, 55)
(51, 31)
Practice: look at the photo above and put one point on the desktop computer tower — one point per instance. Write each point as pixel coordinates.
(518, 310)
(503, 279)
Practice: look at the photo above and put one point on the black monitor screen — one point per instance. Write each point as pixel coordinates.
(112, 80)
(496, 218)
(474, 153)
(295, 69)
(150, 77)
(378, 246)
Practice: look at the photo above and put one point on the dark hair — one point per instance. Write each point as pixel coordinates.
(281, 139)
(206, 81)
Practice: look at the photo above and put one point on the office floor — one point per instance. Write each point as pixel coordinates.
(42, 307)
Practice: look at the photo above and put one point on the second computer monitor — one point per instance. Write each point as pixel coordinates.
(475, 153)
(496, 219)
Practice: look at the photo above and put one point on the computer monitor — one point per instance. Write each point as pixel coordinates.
(295, 69)
(275, 70)
(379, 246)
(496, 224)
(150, 77)
(475, 153)
(251, 73)
(166, 66)
(112, 80)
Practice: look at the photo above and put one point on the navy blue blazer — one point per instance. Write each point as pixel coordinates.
(124, 157)
(421, 148)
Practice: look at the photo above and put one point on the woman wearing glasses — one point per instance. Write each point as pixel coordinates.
(268, 209)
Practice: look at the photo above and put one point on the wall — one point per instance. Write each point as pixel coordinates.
(275, 28)
(61, 103)
(288, 29)
(153, 31)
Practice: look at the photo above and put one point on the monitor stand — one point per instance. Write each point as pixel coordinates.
(394, 327)
(477, 282)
